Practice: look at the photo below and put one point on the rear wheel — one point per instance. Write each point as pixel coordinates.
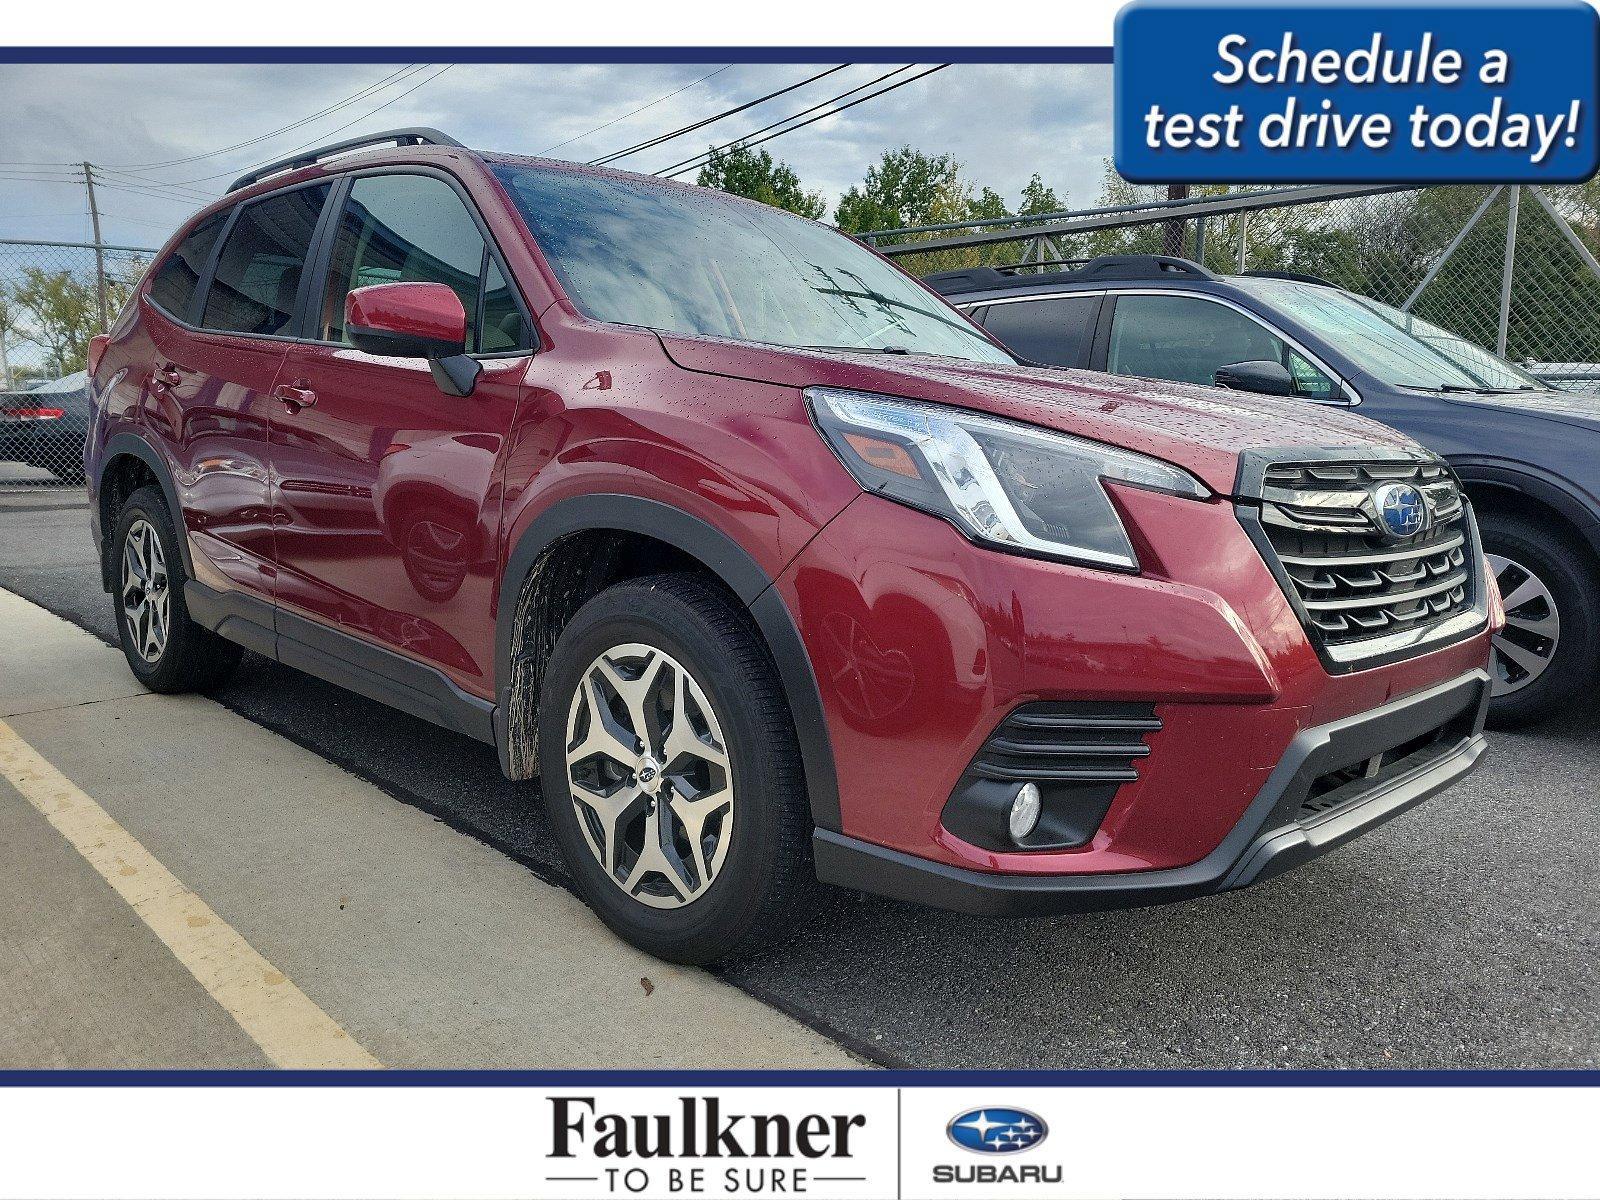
(166, 650)
(1545, 658)
(670, 768)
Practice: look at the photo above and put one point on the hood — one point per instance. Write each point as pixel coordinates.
(1570, 408)
(1203, 430)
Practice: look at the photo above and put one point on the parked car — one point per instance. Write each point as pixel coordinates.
(46, 426)
(1527, 455)
(766, 562)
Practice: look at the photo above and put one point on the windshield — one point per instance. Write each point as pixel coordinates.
(681, 260)
(1395, 347)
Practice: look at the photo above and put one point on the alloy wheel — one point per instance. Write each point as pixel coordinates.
(1524, 649)
(146, 598)
(650, 775)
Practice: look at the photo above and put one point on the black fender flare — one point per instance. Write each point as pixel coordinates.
(725, 558)
(136, 446)
(1549, 490)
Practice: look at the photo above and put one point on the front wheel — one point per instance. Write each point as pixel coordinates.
(1545, 658)
(671, 771)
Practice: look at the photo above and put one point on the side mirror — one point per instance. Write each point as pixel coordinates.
(1259, 375)
(414, 320)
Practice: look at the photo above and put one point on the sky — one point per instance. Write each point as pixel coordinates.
(1002, 122)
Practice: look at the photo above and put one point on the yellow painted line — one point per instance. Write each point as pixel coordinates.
(288, 1026)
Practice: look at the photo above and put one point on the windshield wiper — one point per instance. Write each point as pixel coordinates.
(866, 349)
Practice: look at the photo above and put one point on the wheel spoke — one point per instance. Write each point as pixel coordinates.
(1544, 627)
(1529, 589)
(1523, 657)
(610, 812)
(605, 736)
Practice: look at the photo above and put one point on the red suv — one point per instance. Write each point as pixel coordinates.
(766, 562)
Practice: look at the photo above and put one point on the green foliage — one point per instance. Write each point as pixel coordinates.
(905, 187)
(1037, 199)
(59, 314)
(756, 175)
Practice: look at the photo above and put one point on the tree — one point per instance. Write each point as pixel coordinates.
(10, 331)
(986, 206)
(905, 187)
(61, 316)
(756, 175)
(1038, 199)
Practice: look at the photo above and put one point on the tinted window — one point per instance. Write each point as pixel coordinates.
(258, 272)
(1046, 331)
(690, 260)
(1186, 339)
(402, 229)
(175, 280)
(501, 328)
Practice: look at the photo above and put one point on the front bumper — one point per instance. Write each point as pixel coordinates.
(1278, 831)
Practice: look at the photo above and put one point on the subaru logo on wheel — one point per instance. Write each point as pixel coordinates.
(997, 1130)
(1402, 511)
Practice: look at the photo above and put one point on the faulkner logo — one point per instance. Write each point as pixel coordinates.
(636, 1152)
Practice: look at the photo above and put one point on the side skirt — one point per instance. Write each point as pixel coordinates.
(353, 664)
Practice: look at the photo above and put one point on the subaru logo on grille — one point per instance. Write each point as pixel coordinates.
(997, 1130)
(1402, 511)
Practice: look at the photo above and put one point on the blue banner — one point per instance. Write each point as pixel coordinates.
(1356, 92)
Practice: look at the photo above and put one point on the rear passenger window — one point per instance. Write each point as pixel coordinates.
(1046, 331)
(172, 287)
(258, 272)
(409, 228)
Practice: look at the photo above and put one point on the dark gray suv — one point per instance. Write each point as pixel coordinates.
(1529, 455)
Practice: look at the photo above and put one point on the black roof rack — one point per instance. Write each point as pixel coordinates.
(1106, 266)
(1292, 276)
(414, 136)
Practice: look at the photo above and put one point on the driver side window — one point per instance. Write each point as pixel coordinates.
(1186, 339)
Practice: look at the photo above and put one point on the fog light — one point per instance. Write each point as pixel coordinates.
(1024, 811)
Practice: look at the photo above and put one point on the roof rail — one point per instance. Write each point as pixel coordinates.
(415, 136)
(1292, 276)
(1141, 266)
(1106, 266)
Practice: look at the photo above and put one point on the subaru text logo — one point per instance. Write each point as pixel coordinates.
(996, 1130)
(1402, 512)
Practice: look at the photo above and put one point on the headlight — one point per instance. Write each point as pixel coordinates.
(1000, 482)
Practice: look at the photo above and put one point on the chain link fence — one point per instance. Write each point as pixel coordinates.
(53, 298)
(1438, 252)
(1512, 269)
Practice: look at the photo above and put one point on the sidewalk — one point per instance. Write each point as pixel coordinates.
(429, 949)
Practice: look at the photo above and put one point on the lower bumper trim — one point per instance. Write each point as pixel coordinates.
(1267, 841)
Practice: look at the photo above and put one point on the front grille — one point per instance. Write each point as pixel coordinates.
(1361, 592)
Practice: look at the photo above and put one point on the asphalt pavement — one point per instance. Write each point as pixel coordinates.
(1464, 934)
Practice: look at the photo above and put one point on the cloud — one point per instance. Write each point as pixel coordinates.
(1004, 122)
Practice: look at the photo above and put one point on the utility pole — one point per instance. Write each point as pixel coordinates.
(99, 249)
(1172, 231)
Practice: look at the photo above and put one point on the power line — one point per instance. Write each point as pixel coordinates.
(317, 141)
(371, 88)
(636, 111)
(667, 137)
(671, 173)
(694, 158)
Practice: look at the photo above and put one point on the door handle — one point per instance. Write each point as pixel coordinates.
(169, 375)
(295, 397)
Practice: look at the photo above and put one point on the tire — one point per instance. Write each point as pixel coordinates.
(188, 657)
(756, 873)
(1542, 576)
